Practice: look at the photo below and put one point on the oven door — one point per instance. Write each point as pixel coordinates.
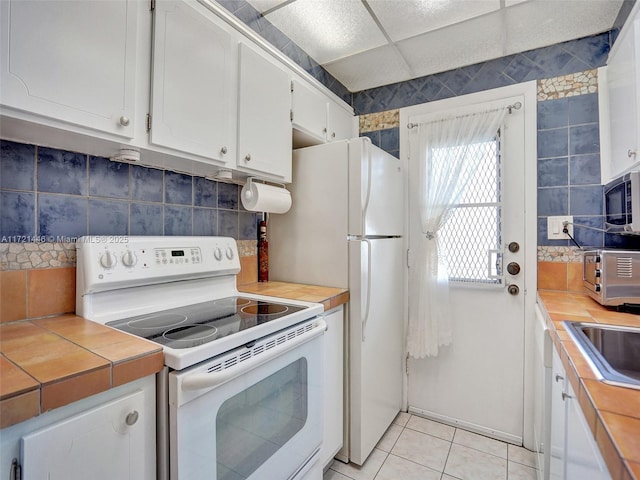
(260, 418)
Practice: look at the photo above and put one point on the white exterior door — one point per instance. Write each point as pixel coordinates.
(478, 381)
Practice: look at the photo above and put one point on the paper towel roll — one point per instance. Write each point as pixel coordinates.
(260, 197)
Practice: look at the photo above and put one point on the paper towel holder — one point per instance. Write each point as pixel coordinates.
(248, 194)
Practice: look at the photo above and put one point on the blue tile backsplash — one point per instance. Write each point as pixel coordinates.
(55, 195)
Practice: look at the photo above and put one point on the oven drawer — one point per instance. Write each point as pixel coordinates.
(263, 422)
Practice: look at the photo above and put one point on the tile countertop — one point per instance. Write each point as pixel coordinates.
(613, 413)
(330, 297)
(52, 362)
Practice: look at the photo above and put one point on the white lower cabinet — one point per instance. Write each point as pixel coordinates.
(333, 385)
(574, 454)
(104, 437)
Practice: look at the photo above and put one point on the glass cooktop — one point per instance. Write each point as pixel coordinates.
(193, 325)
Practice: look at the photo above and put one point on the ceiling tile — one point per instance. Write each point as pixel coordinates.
(541, 23)
(465, 43)
(407, 18)
(380, 66)
(328, 30)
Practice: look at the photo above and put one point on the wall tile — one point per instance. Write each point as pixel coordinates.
(584, 139)
(205, 221)
(585, 169)
(583, 109)
(390, 139)
(107, 178)
(51, 291)
(228, 196)
(553, 172)
(248, 226)
(17, 165)
(227, 223)
(62, 215)
(552, 276)
(17, 215)
(587, 237)
(553, 143)
(62, 172)
(108, 217)
(146, 219)
(178, 220)
(585, 200)
(205, 192)
(147, 184)
(553, 201)
(553, 114)
(178, 188)
(13, 295)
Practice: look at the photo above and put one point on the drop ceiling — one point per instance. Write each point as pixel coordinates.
(369, 43)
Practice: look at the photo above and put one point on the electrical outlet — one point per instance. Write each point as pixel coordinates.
(555, 226)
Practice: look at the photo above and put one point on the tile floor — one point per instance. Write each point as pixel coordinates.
(414, 448)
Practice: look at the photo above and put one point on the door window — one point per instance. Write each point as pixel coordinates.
(255, 423)
(473, 229)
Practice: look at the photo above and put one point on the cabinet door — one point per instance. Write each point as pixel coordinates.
(104, 443)
(623, 84)
(309, 108)
(583, 456)
(71, 60)
(193, 89)
(264, 125)
(333, 364)
(340, 125)
(558, 416)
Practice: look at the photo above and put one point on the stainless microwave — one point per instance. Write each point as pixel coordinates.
(612, 277)
(622, 203)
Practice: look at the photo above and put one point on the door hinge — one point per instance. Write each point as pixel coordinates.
(148, 122)
(408, 258)
(15, 473)
(291, 86)
(406, 365)
(291, 115)
(152, 5)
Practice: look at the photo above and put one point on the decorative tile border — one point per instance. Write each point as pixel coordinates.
(27, 256)
(570, 85)
(373, 122)
(559, 254)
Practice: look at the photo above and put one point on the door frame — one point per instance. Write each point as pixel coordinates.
(529, 91)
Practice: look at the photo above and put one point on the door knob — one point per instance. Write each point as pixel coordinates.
(513, 268)
(513, 289)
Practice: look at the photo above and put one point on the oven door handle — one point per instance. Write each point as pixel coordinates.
(199, 381)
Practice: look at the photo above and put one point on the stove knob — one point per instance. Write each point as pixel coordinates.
(108, 260)
(229, 253)
(217, 253)
(129, 259)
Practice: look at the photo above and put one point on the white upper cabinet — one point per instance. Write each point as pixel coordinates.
(623, 89)
(264, 122)
(193, 93)
(317, 119)
(71, 60)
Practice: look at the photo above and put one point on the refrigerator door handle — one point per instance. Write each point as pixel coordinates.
(367, 297)
(367, 197)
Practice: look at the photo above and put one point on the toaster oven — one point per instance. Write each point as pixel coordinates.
(612, 277)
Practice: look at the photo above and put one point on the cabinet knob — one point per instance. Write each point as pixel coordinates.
(248, 157)
(223, 150)
(132, 418)
(333, 134)
(124, 121)
(631, 153)
(565, 395)
(559, 378)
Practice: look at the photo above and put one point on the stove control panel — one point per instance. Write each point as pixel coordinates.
(108, 263)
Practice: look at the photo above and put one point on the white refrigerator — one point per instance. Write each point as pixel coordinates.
(345, 229)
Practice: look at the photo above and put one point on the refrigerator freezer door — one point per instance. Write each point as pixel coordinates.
(376, 191)
(376, 347)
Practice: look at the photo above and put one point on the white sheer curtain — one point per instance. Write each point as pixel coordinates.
(445, 149)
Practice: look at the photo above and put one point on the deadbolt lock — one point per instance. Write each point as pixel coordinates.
(513, 268)
(514, 247)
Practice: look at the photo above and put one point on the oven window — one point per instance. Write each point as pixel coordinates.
(255, 423)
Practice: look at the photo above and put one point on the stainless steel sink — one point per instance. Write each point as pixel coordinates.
(612, 351)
